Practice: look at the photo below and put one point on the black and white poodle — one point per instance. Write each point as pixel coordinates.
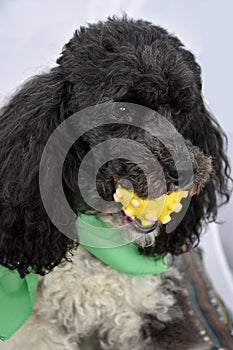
(83, 303)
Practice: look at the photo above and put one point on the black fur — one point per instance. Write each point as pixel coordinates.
(117, 60)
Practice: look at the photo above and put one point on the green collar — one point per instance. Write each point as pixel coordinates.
(16, 300)
(17, 294)
(115, 251)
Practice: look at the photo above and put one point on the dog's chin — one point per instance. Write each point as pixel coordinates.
(133, 230)
(135, 224)
(144, 229)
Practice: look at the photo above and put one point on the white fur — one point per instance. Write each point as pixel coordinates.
(86, 296)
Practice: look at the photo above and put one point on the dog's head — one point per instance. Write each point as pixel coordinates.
(134, 67)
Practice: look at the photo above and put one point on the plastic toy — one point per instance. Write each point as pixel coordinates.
(148, 211)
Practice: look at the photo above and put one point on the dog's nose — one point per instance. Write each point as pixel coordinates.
(185, 175)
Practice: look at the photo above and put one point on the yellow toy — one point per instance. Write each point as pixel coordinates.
(148, 211)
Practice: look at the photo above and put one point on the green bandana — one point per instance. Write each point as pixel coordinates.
(16, 300)
(17, 294)
(124, 257)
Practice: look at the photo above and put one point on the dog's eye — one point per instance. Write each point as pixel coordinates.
(120, 112)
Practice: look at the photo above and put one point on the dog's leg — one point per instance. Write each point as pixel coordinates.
(124, 329)
(121, 332)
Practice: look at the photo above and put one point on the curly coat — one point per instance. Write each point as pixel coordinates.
(120, 60)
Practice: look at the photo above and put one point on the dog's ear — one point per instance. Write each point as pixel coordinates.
(27, 236)
(205, 132)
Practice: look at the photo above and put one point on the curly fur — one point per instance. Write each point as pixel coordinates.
(108, 309)
(121, 60)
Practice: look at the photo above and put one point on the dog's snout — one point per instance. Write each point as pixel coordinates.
(183, 174)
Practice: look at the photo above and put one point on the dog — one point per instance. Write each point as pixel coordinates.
(83, 303)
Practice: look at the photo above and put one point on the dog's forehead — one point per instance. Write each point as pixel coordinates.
(132, 60)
